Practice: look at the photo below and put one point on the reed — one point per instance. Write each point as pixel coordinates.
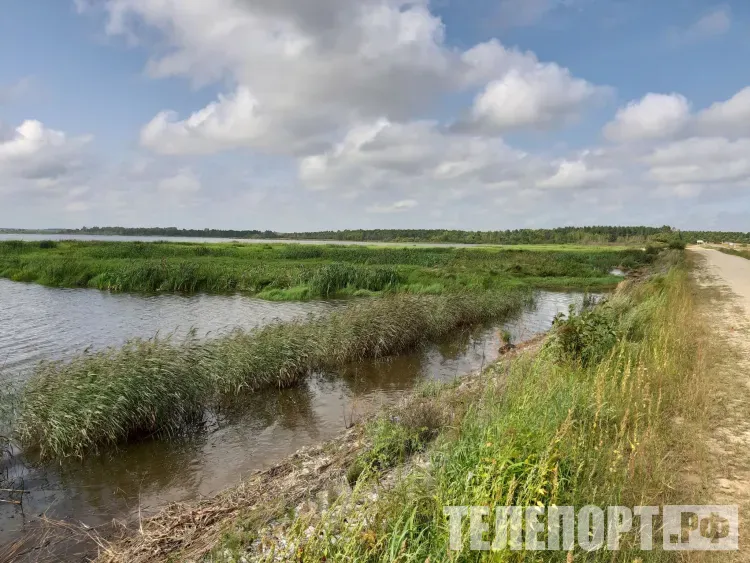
(288, 271)
(161, 387)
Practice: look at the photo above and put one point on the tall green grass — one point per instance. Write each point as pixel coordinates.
(296, 271)
(587, 421)
(163, 387)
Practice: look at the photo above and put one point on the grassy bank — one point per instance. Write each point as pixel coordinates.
(293, 272)
(160, 387)
(744, 253)
(605, 414)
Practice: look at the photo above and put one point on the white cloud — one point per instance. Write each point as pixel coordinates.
(384, 156)
(33, 151)
(540, 98)
(230, 122)
(185, 182)
(715, 23)
(396, 207)
(727, 118)
(572, 175)
(334, 104)
(301, 75)
(711, 160)
(655, 116)
(669, 116)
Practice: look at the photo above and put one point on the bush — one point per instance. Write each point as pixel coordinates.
(586, 337)
(677, 244)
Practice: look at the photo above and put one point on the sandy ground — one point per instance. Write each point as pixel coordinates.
(726, 280)
(733, 271)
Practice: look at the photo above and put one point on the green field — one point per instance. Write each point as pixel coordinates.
(297, 272)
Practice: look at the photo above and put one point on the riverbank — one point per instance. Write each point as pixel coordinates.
(587, 418)
(297, 272)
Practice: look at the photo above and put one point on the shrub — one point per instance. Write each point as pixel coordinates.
(586, 337)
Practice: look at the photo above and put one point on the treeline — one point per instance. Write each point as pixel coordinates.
(561, 235)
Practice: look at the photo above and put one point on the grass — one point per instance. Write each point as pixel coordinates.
(588, 420)
(161, 387)
(293, 272)
(734, 252)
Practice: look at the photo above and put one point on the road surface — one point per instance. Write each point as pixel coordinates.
(727, 471)
(734, 272)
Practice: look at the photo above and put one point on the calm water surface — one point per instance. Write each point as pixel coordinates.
(38, 323)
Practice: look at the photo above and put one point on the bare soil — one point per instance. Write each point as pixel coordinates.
(725, 282)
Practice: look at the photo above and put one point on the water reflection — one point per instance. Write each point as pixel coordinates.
(252, 432)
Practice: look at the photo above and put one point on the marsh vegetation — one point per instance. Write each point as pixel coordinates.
(588, 419)
(297, 272)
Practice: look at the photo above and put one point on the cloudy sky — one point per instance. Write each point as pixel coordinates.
(310, 115)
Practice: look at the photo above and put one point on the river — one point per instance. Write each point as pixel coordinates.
(40, 323)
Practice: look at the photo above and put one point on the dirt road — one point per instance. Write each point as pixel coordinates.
(725, 300)
(733, 271)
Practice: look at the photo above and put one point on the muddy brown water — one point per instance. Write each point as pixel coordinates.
(38, 323)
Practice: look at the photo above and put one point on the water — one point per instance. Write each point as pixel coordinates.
(114, 238)
(44, 323)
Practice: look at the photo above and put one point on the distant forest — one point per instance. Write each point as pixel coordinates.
(562, 235)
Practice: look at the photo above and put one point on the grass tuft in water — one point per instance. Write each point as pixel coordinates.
(161, 387)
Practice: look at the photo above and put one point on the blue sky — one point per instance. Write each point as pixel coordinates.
(381, 113)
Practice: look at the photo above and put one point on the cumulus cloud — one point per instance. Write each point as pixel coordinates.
(35, 152)
(731, 117)
(348, 100)
(230, 122)
(302, 76)
(670, 116)
(709, 160)
(655, 116)
(540, 98)
(384, 156)
(576, 174)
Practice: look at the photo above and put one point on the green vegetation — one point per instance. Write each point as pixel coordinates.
(293, 272)
(161, 388)
(742, 253)
(588, 420)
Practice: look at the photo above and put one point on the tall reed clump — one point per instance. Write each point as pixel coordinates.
(162, 387)
(566, 427)
(141, 389)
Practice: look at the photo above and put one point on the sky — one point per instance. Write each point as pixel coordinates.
(294, 115)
